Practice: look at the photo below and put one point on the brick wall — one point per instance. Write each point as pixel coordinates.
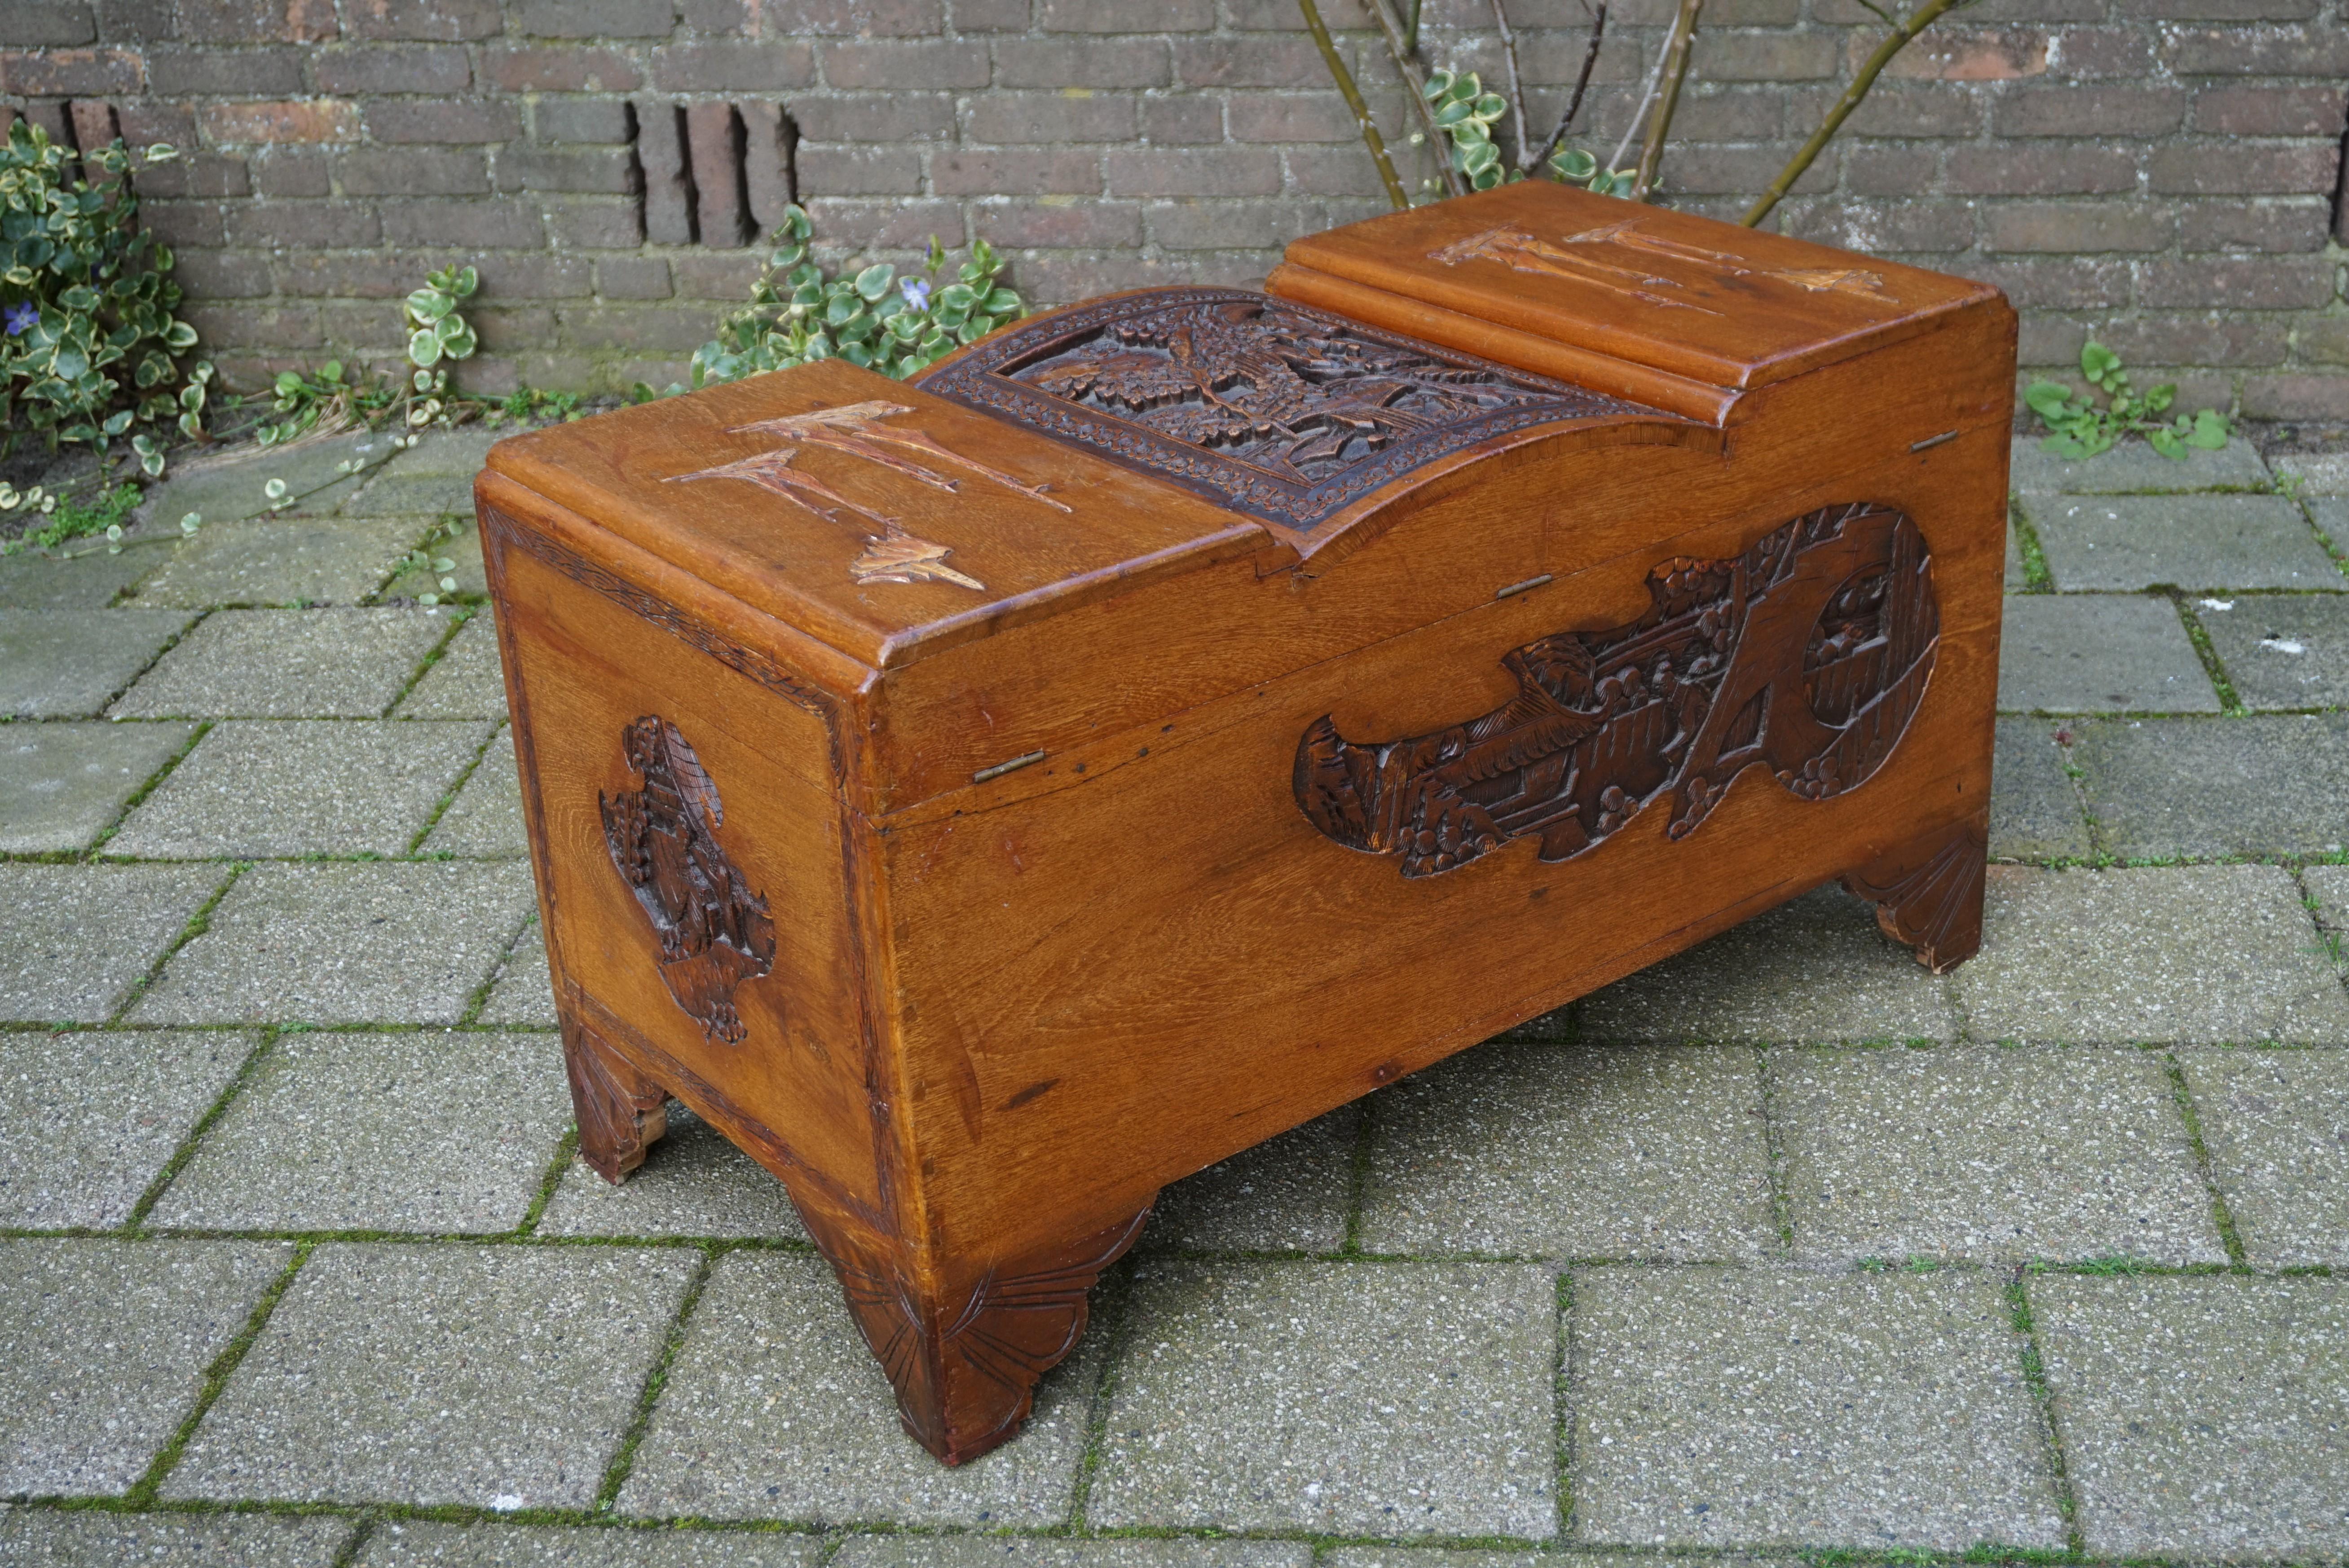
(2164, 173)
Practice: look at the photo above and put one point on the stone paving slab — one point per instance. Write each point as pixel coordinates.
(294, 561)
(319, 475)
(435, 475)
(2018, 574)
(2201, 1416)
(466, 682)
(775, 1409)
(1397, 1399)
(1291, 1193)
(80, 936)
(1989, 1155)
(88, 578)
(466, 568)
(693, 1183)
(2100, 653)
(2276, 1124)
(2329, 886)
(415, 1543)
(429, 1132)
(2123, 544)
(1574, 1151)
(2035, 810)
(484, 821)
(1035, 1552)
(256, 787)
(68, 664)
(2164, 955)
(1815, 969)
(482, 1377)
(372, 944)
(287, 664)
(523, 993)
(2282, 650)
(1740, 1407)
(2325, 474)
(61, 785)
(103, 1349)
(2133, 468)
(1454, 1557)
(89, 1120)
(53, 1538)
(2266, 784)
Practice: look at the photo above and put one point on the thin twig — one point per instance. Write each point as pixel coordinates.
(1573, 104)
(1659, 123)
(1353, 96)
(1647, 97)
(1902, 32)
(1410, 29)
(1414, 87)
(1516, 90)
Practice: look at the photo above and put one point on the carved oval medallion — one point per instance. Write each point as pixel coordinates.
(1807, 655)
(713, 931)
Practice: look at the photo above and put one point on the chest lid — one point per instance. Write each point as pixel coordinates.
(1672, 292)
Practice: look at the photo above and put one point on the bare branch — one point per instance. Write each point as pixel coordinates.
(1415, 85)
(1517, 88)
(1353, 96)
(1647, 97)
(1660, 124)
(1573, 104)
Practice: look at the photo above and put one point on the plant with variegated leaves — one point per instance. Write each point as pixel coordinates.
(437, 332)
(1465, 113)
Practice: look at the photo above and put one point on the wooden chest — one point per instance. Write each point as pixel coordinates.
(990, 800)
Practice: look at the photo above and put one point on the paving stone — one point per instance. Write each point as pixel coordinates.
(1814, 969)
(2109, 652)
(55, 1538)
(1724, 1407)
(80, 936)
(2166, 954)
(693, 1183)
(392, 942)
(89, 1120)
(484, 821)
(2329, 885)
(416, 1543)
(2018, 575)
(2133, 468)
(103, 1347)
(2282, 650)
(2034, 812)
(1032, 1551)
(1343, 1398)
(463, 553)
(287, 561)
(61, 785)
(287, 664)
(524, 991)
(466, 682)
(234, 485)
(775, 1409)
(2268, 785)
(436, 475)
(1574, 1151)
(2330, 515)
(1291, 1193)
(68, 664)
(2123, 544)
(295, 787)
(2276, 1124)
(1441, 1557)
(2201, 1416)
(87, 579)
(482, 1377)
(2322, 475)
(414, 1131)
(1985, 1154)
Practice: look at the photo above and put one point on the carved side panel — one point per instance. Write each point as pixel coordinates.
(714, 932)
(621, 1112)
(1807, 655)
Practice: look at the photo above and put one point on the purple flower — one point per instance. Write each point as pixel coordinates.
(916, 293)
(21, 316)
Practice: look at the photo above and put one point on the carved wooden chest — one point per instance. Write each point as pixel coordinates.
(990, 800)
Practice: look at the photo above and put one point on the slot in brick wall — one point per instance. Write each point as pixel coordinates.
(2164, 173)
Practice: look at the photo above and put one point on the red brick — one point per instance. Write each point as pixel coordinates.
(2325, 341)
(702, 273)
(145, 121)
(524, 276)
(736, 66)
(555, 68)
(1962, 54)
(595, 121)
(1705, 114)
(831, 170)
(47, 24)
(2296, 398)
(2004, 170)
(2257, 51)
(2279, 225)
(457, 121)
(1283, 17)
(654, 327)
(1889, 170)
(1125, 16)
(1186, 120)
(221, 274)
(257, 73)
(1736, 170)
(1291, 116)
(512, 327)
(2220, 10)
(2304, 169)
(591, 18)
(868, 18)
(313, 225)
(1054, 277)
(594, 170)
(137, 21)
(1051, 118)
(1215, 225)
(904, 63)
(412, 172)
(2049, 340)
(1083, 63)
(2237, 283)
(2078, 52)
(310, 121)
(62, 72)
(1059, 225)
(182, 222)
(1905, 109)
(438, 21)
(596, 224)
(298, 172)
(422, 70)
(722, 221)
(1257, 61)
(2271, 110)
(2057, 284)
(874, 117)
(2100, 112)
(472, 225)
(662, 162)
(1763, 57)
(731, 17)
(632, 277)
(1225, 171)
(257, 21)
(845, 223)
(1910, 227)
(2210, 339)
(2078, 227)
(1040, 171)
(253, 327)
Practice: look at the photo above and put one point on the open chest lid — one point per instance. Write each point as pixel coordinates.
(1670, 293)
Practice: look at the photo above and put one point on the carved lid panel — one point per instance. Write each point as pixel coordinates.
(1677, 293)
(1288, 414)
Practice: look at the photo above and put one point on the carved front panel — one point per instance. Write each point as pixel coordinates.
(1807, 655)
(1266, 406)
